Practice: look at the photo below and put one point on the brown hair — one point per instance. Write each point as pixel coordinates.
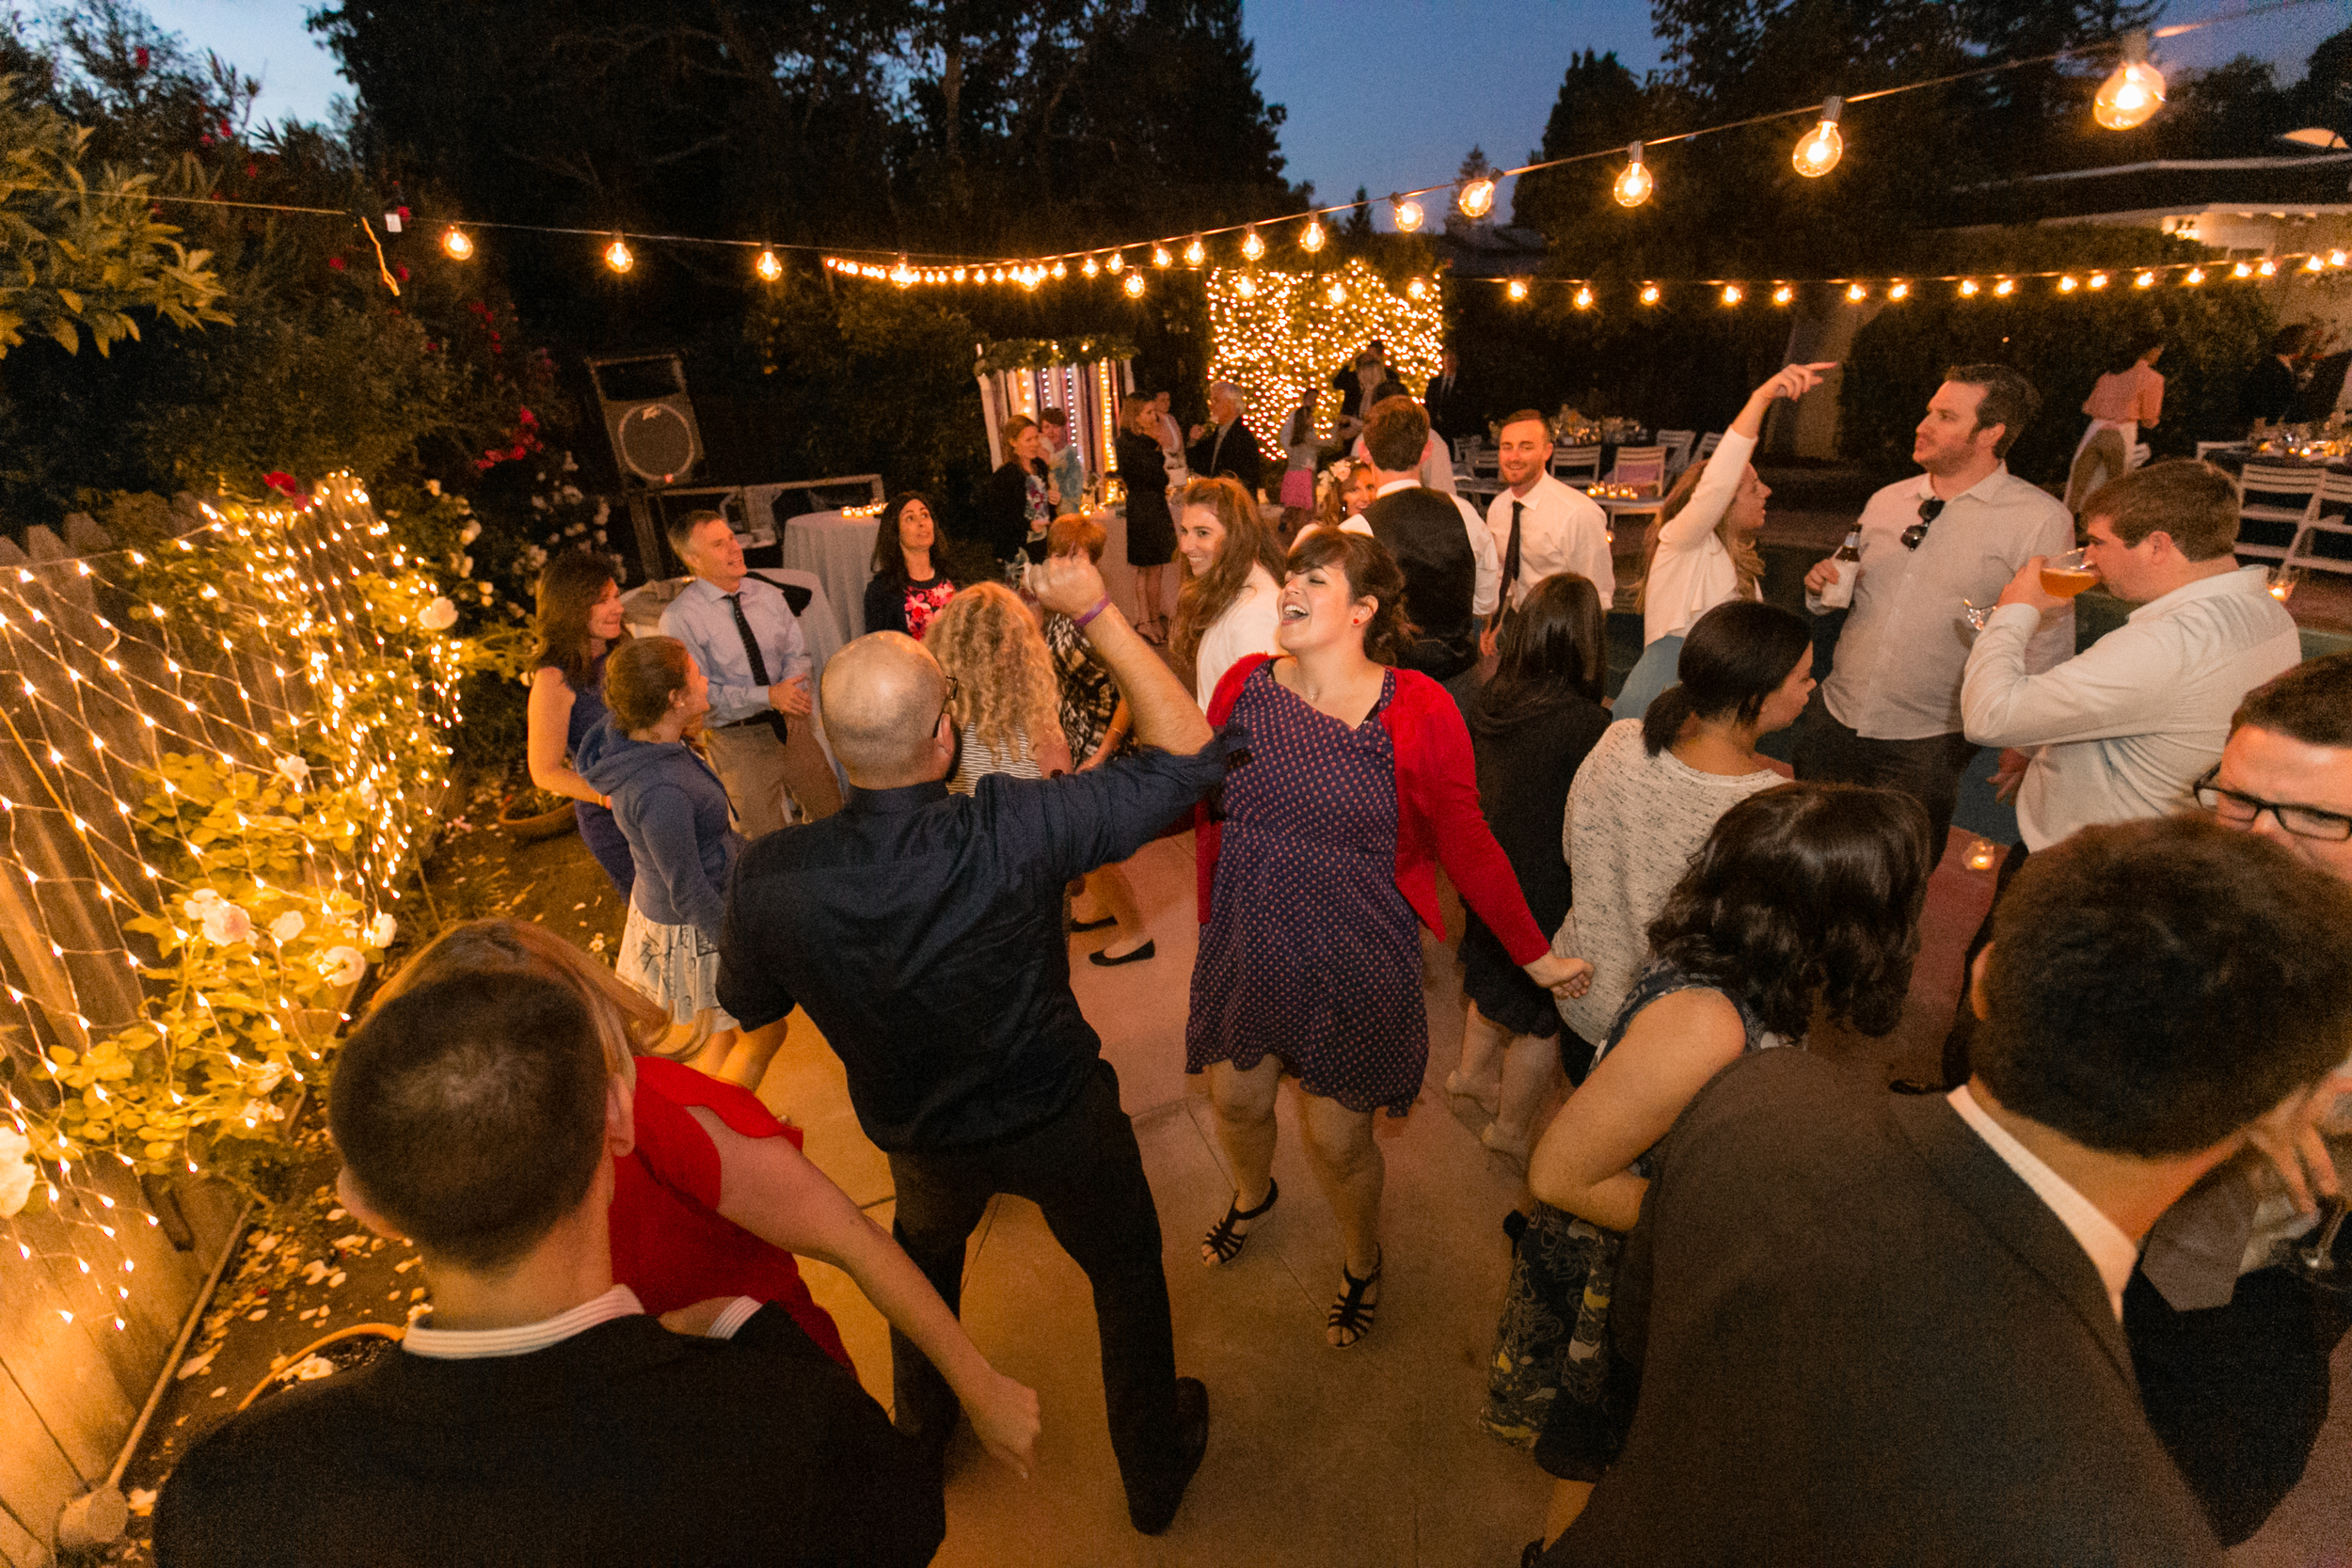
(1247, 543)
(1523, 417)
(2009, 401)
(627, 1025)
(1073, 532)
(2193, 502)
(890, 561)
(1371, 573)
(2311, 702)
(1011, 433)
(1396, 434)
(988, 643)
(1745, 558)
(1052, 416)
(570, 586)
(682, 529)
(641, 678)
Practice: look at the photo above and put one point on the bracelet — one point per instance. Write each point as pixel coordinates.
(1100, 605)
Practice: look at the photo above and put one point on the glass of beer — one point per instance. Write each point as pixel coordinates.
(2065, 575)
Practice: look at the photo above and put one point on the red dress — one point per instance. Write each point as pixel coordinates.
(670, 1243)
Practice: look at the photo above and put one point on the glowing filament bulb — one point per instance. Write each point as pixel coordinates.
(458, 243)
(617, 257)
(1310, 238)
(1517, 290)
(2006, 287)
(768, 266)
(1090, 267)
(1417, 290)
(1968, 288)
(1856, 293)
(1246, 286)
(1583, 300)
(1818, 151)
(1650, 294)
(1252, 246)
(2312, 265)
(2196, 275)
(1406, 212)
(1116, 262)
(1783, 294)
(1731, 293)
(2133, 92)
(2268, 267)
(1134, 285)
(1633, 182)
(2242, 269)
(2098, 279)
(1338, 293)
(2067, 285)
(2144, 280)
(1477, 199)
(1160, 258)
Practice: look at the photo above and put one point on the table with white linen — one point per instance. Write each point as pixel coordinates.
(839, 551)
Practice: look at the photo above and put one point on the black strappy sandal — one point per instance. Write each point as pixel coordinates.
(1223, 1240)
(1351, 1315)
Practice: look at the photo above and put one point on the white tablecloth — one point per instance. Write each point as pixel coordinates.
(839, 552)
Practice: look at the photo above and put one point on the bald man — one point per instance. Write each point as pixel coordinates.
(923, 932)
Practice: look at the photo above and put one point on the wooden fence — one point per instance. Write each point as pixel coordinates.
(98, 1276)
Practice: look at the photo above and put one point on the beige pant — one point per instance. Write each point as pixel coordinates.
(758, 772)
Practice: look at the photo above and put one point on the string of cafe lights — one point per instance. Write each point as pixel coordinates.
(298, 610)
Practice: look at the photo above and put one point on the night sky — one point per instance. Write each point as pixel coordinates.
(1387, 94)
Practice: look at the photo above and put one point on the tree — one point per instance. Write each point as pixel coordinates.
(1599, 106)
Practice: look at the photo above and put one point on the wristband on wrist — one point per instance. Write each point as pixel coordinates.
(1100, 605)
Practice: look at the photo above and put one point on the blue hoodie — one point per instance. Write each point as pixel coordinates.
(672, 809)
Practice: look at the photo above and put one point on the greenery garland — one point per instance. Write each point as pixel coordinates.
(1034, 353)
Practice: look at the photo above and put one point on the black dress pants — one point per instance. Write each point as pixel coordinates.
(1927, 769)
(1085, 1171)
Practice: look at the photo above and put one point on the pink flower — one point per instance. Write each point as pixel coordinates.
(404, 214)
(402, 270)
(285, 484)
(335, 262)
(139, 57)
(527, 417)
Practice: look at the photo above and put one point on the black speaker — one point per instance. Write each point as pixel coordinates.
(648, 417)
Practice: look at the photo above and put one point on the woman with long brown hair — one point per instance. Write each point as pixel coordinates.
(578, 621)
(1232, 571)
(910, 584)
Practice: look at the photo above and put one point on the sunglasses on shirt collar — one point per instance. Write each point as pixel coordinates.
(1930, 508)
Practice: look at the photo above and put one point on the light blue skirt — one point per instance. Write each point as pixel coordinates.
(1656, 670)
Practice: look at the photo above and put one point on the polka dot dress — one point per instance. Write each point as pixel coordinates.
(1311, 953)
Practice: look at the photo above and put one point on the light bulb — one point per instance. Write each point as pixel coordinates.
(2269, 268)
(458, 243)
(617, 257)
(1416, 289)
(1408, 213)
(1310, 237)
(1477, 199)
(1817, 152)
(2008, 286)
(2196, 275)
(1856, 293)
(1196, 252)
(1251, 245)
(1060, 270)
(768, 266)
(1731, 293)
(1117, 259)
(1246, 286)
(1633, 182)
(1134, 285)
(1517, 290)
(1583, 300)
(1783, 294)
(1091, 267)
(1337, 295)
(2335, 257)
(1160, 258)
(2134, 92)
(1649, 293)
(2144, 280)
(1898, 291)
(2098, 279)
(2067, 285)
(1967, 288)
(2314, 263)
(958, 275)
(2242, 269)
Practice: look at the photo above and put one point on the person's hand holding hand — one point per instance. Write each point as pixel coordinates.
(1489, 639)
(2009, 774)
(1562, 976)
(1006, 1421)
(790, 697)
(2025, 588)
(1070, 584)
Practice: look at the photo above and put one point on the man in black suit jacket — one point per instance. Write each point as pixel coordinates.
(1451, 414)
(1886, 1330)
(537, 1416)
(2324, 387)
(2272, 388)
(1225, 447)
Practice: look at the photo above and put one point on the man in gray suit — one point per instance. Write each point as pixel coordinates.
(1874, 1329)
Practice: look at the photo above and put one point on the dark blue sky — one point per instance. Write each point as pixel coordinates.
(1387, 94)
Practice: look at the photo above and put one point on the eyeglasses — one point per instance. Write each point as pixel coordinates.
(953, 690)
(1930, 510)
(2241, 810)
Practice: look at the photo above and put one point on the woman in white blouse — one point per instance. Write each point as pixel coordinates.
(1233, 572)
(1702, 549)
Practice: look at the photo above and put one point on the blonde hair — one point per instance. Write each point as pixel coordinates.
(1007, 695)
(627, 1023)
(1746, 559)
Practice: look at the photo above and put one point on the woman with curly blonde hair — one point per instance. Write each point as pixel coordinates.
(1002, 685)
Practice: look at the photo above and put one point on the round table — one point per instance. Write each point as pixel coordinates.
(839, 552)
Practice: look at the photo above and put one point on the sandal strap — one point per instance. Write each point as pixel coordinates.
(1351, 1313)
(1223, 1241)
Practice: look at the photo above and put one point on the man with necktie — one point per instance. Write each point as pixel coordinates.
(1540, 525)
(747, 643)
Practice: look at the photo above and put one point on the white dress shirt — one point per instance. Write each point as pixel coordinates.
(478, 1344)
(1897, 675)
(1488, 591)
(2111, 1251)
(1560, 529)
(2123, 728)
(699, 617)
(1246, 627)
(1693, 572)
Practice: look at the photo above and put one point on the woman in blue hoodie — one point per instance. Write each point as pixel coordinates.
(674, 812)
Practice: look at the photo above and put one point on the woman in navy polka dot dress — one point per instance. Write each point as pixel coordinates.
(1323, 853)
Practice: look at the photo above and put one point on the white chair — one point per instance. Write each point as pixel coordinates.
(1574, 462)
(1466, 451)
(1678, 445)
(2331, 514)
(1708, 443)
(2280, 503)
(2206, 448)
(1642, 468)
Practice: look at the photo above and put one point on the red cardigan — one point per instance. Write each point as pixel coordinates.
(1438, 819)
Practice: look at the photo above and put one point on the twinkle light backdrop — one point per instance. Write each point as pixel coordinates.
(1278, 333)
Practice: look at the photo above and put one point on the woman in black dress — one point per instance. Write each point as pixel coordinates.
(1531, 727)
(910, 584)
(1151, 529)
(1019, 501)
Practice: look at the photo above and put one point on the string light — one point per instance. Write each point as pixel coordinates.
(1633, 184)
(1783, 294)
(1817, 152)
(1134, 285)
(1731, 293)
(1285, 338)
(1898, 291)
(1406, 212)
(2067, 285)
(2098, 279)
(2269, 268)
(456, 243)
(1115, 263)
(1583, 300)
(2196, 275)
(2008, 286)
(1417, 288)
(1312, 237)
(1337, 292)
(1090, 267)
(1252, 246)
(1968, 288)
(617, 257)
(1651, 293)
(1517, 290)
(1477, 199)
(1246, 286)
(2135, 91)
(2314, 265)
(1160, 258)
(768, 268)
(2144, 280)
(1196, 252)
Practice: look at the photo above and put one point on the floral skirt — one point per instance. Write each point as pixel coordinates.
(1550, 1386)
(674, 966)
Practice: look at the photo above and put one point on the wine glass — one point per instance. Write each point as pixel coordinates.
(2318, 1263)
(1977, 614)
(2285, 579)
(2065, 575)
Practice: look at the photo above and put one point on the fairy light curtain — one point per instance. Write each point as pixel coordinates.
(1085, 377)
(1277, 334)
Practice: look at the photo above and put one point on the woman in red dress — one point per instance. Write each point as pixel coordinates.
(1315, 868)
(717, 1197)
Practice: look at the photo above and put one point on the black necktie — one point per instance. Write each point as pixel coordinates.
(750, 643)
(1511, 558)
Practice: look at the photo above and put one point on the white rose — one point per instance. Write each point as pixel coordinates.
(464, 565)
(433, 485)
(16, 1172)
(294, 770)
(439, 615)
(228, 923)
(288, 926)
(381, 929)
(201, 903)
(342, 966)
(470, 532)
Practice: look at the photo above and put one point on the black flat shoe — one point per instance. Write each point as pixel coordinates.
(1104, 924)
(1146, 951)
(1192, 1441)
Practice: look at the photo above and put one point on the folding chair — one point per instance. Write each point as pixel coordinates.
(1708, 443)
(1642, 468)
(1574, 462)
(2275, 506)
(2331, 516)
(2206, 448)
(1678, 445)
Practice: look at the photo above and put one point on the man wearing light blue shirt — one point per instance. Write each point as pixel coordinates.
(747, 643)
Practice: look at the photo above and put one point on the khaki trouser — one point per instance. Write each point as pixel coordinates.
(758, 772)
